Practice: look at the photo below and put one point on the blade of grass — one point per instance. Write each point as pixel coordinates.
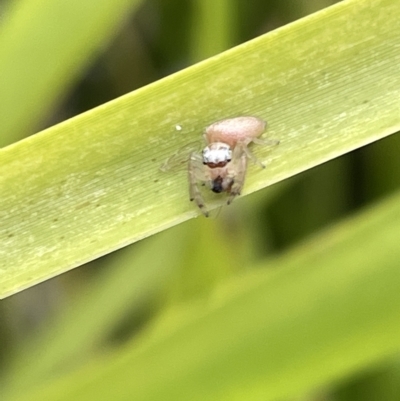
(133, 278)
(212, 28)
(44, 46)
(327, 309)
(153, 274)
(326, 84)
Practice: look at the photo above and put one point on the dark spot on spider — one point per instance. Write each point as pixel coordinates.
(217, 185)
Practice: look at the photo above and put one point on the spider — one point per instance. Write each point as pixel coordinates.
(222, 164)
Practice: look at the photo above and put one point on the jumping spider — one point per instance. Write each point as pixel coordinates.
(222, 164)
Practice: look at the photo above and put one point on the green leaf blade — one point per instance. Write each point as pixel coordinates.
(325, 84)
(310, 318)
(44, 46)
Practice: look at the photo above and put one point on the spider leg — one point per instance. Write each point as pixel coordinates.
(266, 142)
(196, 174)
(249, 154)
(258, 141)
(240, 156)
(240, 166)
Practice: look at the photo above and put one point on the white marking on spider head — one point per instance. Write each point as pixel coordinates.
(217, 153)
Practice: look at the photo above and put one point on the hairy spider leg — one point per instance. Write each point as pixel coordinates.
(263, 142)
(240, 160)
(196, 173)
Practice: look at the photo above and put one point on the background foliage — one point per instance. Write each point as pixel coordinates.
(90, 323)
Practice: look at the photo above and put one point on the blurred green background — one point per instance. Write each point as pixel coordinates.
(65, 322)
